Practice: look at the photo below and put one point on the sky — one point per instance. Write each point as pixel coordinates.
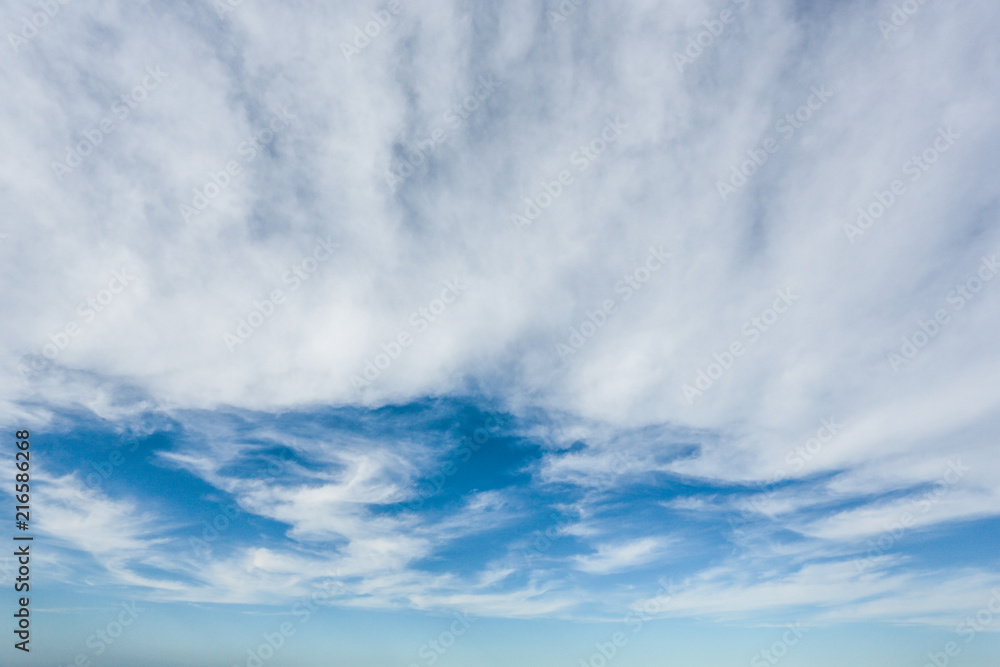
(427, 332)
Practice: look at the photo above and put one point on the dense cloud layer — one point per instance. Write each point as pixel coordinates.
(746, 243)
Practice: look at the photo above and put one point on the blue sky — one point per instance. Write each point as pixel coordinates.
(444, 333)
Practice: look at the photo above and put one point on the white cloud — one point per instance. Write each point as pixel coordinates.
(160, 342)
(90, 521)
(617, 557)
